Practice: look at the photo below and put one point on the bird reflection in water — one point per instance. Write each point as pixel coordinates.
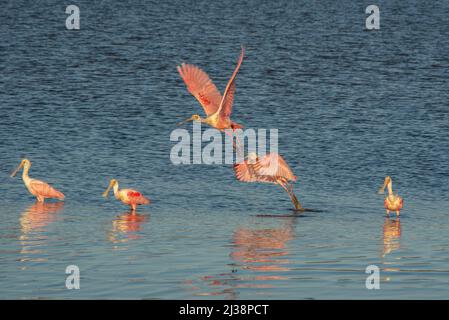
(126, 227)
(391, 236)
(261, 251)
(34, 222)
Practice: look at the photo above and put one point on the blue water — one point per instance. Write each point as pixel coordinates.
(351, 106)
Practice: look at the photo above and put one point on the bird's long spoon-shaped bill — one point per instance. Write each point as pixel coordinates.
(106, 193)
(382, 189)
(187, 120)
(17, 169)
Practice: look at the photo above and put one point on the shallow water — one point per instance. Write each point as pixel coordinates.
(351, 106)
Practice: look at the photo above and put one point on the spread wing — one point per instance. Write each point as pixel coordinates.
(273, 165)
(43, 189)
(229, 100)
(201, 87)
(246, 172)
(225, 106)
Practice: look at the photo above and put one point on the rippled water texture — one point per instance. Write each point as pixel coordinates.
(351, 107)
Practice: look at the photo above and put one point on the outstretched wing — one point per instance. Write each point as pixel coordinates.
(273, 165)
(246, 172)
(225, 107)
(201, 87)
(43, 189)
(229, 101)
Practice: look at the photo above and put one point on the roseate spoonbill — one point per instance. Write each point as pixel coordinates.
(127, 196)
(37, 188)
(392, 202)
(218, 109)
(271, 168)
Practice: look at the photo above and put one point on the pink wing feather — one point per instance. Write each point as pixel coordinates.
(201, 87)
(272, 164)
(225, 106)
(244, 172)
(43, 189)
(229, 101)
(268, 168)
(136, 197)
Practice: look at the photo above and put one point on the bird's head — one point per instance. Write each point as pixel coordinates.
(24, 163)
(386, 182)
(195, 117)
(112, 183)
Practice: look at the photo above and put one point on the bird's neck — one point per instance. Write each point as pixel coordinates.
(390, 188)
(212, 120)
(25, 176)
(116, 193)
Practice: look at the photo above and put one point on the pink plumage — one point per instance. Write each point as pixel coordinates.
(201, 87)
(40, 189)
(218, 108)
(131, 197)
(268, 168)
(44, 190)
(226, 103)
(135, 197)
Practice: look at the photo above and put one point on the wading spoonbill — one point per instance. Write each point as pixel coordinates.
(392, 202)
(40, 189)
(130, 197)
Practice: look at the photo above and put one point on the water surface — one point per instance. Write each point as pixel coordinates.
(351, 106)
